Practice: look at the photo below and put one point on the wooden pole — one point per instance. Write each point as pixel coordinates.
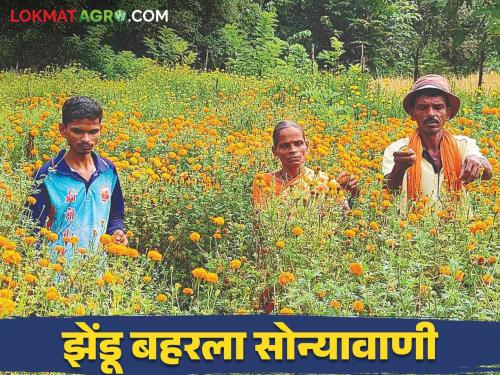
(206, 60)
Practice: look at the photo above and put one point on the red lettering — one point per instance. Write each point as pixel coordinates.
(71, 14)
(25, 15)
(36, 16)
(62, 16)
(13, 16)
(49, 16)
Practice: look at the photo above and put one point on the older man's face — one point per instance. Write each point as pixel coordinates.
(430, 113)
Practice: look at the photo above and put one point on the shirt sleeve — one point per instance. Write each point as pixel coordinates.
(117, 210)
(468, 147)
(39, 211)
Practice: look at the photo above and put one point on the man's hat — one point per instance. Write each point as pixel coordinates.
(432, 81)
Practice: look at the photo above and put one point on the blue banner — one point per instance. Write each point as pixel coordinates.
(205, 344)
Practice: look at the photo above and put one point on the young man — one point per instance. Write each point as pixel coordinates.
(432, 157)
(79, 194)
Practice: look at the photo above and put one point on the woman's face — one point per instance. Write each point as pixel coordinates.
(291, 148)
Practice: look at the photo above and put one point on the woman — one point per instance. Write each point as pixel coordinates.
(290, 146)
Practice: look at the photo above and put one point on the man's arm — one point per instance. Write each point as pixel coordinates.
(116, 215)
(472, 167)
(402, 161)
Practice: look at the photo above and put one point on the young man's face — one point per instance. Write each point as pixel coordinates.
(430, 113)
(82, 134)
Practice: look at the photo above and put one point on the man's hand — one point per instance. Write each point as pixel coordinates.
(120, 237)
(404, 159)
(472, 168)
(348, 183)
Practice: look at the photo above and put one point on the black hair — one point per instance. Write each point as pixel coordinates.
(79, 108)
(282, 125)
(431, 93)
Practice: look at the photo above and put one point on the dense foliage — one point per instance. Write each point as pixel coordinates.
(402, 37)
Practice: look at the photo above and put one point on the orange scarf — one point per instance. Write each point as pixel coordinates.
(450, 157)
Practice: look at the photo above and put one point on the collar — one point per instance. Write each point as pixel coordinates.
(60, 165)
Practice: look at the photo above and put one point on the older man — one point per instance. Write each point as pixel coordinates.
(432, 157)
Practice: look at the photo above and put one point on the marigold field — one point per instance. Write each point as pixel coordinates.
(188, 145)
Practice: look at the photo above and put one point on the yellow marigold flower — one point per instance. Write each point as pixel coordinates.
(217, 235)
(154, 255)
(433, 231)
(370, 247)
(146, 279)
(280, 244)
(219, 221)
(99, 282)
(136, 307)
(105, 239)
(286, 278)
(10, 282)
(73, 240)
(235, 264)
(356, 212)
(171, 238)
(11, 257)
(199, 273)
(356, 269)
(374, 226)
(212, 277)
(320, 294)
(444, 270)
(161, 297)
(297, 231)
(335, 304)
(51, 294)
(30, 278)
(188, 291)
(43, 262)
(349, 233)
(108, 277)
(79, 310)
(487, 279)
(6, 293)
(57, 267)
(81, 250)
(459, 275)
(286, 311)
(385, 204)
(195, 236)
(242, 311)
(7, 307)
(358, 306)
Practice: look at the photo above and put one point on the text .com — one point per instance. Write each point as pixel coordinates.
(95, 15)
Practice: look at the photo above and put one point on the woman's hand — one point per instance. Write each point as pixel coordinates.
(348, 183)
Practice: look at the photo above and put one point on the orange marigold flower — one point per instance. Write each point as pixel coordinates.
(52, 237)
(433, 231)
(280, 244)
(235, 264)
(335, 304)
(423, 289)
(199, 273)
(370, 247)
(105, 239)
(30, 240)
(6, 293)
(297, 231)
(358, 306)
(356, 269)
(57, 267)
(286, 278)
(444, 270)
(491, 260)
(212, 277)
(7, 307)
(459, 275)
(59, 249)
(154, 255)
(43, 262)
(195, 236)
(11, 257)
(146, 279)
(108, 277)
(161, 297)
(31, 200)
(374, 226)
(349, 233)
(79, 310)
(487, 279)
(51, 294)
(30, 278)
(188, 291)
